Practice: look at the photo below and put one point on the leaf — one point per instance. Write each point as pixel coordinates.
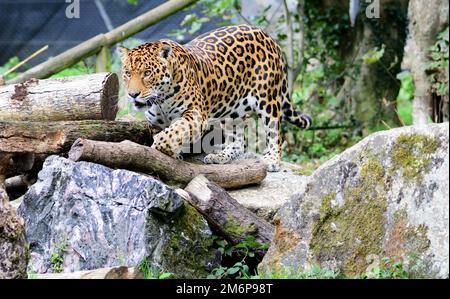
(233, 270)
(165, 275)
(221, 243)
(374, 55)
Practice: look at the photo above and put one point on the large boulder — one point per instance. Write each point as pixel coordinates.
(14, 253)
(387, 196)
(83, 216)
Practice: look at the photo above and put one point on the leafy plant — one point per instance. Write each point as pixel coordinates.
(390, 268)
(152, 272)
(210, 9)
(8, 65)
(57, 257)
(316, 272)
(80, 68)
(240, 260)
(437, 69)
(374, 55)
(405, 97)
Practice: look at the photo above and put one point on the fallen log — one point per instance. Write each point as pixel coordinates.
(18, 185)
(136, 157)
(225, 215)
(57, 137)
(92, 96)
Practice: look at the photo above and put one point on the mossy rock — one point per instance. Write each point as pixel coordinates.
(387, 196)
(185, 248)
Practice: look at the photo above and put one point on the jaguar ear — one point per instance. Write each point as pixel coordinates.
(123, 51)
(166, 51)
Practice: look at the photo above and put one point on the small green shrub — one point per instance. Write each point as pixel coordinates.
(152, 272)
(437, 69)
(389, 268)
(405, 97)
(57, 257)
(240, 260)
(8, 65)
(316, 272)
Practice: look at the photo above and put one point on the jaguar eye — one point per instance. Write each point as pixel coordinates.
(146, 73)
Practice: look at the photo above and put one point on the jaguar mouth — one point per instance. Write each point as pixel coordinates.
(139, 104)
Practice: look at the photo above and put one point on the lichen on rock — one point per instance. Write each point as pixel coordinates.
(352, 230)
(385, 197)
(411, 154)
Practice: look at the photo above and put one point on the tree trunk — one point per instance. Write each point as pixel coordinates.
(225, 215)
(371, 90)
(72, 98)
(426, 20)
(57, 137)
(135, 157)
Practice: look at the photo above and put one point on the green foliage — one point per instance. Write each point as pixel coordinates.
(389, 268)
(405, 97)
(239, 261)
(437, 69)
(57, 257)
(133, 2)
(210, 9)
(151, 272)
(374, 55)
(81, 68)
(316, 272)
(8, 65)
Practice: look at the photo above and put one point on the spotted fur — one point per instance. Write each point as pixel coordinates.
(227, 73)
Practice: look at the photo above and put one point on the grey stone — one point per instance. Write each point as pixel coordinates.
(96, 217)
(267, 198)
(387, 196)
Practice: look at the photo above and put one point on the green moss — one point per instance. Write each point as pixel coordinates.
(351, 232)
(372, 171)
(325, 207)
(235, 228)
(188, 248)
(412, 155)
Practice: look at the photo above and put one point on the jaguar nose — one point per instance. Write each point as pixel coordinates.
(134, 94)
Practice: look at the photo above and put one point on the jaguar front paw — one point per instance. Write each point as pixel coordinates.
(216, 159)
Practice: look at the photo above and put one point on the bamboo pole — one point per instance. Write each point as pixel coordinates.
(94, 45)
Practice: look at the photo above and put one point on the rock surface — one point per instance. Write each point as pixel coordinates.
(267, 198)
(83, 216)
(14, 253)
(387, 196)
(103, 273)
